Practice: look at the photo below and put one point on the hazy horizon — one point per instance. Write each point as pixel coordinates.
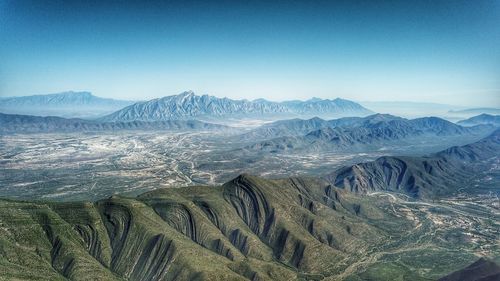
(388, 102)
(417, 51)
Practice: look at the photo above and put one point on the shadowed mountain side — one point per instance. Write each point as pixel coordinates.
(481, 270)
(10, 123)
(422, 177)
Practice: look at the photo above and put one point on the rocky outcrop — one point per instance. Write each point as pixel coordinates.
(251, 204)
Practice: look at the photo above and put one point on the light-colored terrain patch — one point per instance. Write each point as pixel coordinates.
(91, 166)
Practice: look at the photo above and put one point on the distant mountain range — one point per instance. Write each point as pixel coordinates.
(352, 132)
(476, 111)
(419, 177)
(484, 119)
(66, 104)
(12, 123)
(297, 127)
(410, 109)
(187, 105)
(317, 106)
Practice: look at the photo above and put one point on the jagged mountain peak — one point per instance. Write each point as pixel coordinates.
(181, 96)
(187, 105)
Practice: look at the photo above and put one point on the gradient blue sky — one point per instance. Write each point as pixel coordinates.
(433, 51)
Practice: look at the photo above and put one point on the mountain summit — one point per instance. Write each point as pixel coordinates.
(188, 105)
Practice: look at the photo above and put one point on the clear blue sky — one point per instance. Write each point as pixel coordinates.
(433, 51)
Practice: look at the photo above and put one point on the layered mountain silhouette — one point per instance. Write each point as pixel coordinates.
(476, 111)
(66, 104)
(188, 105)
(296, 127)
(419, 177)
(13, 123)
(483, 119)
(353, 132)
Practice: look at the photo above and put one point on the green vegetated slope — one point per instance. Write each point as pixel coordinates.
(247, 229)
(252, 228)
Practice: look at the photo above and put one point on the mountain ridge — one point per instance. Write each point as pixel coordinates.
(478, 110)
(189, 105)
(15, 123)
(418, 177)
(338, 134)
(482, 119)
